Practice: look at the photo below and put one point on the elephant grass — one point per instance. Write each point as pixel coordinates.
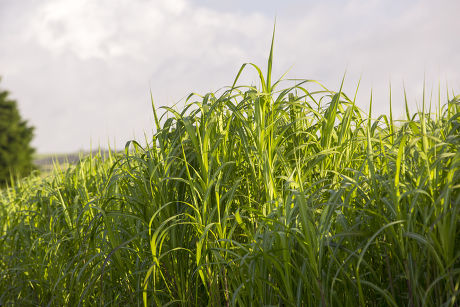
(283, 194)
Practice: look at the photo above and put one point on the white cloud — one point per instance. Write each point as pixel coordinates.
(95, 28)
(83, 69)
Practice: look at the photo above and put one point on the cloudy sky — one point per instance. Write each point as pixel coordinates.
(82, 70)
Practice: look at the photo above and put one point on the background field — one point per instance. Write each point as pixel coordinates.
(46, 162)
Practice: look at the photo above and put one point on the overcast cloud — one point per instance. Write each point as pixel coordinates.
(82, 70)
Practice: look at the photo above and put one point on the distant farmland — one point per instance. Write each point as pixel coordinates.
(45, 162)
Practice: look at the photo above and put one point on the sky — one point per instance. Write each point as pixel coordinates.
(82, 70)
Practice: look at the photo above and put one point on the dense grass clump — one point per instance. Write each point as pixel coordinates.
(250, 196)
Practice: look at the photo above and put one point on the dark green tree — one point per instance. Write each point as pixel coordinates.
(16, 153)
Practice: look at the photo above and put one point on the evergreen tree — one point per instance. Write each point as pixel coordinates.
(15, 136)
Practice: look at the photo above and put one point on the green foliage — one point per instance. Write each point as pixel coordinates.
(287, 197)
(15, 137)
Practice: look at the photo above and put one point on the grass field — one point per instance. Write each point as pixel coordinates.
(286, 194)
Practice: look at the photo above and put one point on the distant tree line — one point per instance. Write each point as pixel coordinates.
(16, 152)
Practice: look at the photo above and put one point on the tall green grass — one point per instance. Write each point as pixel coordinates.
(281, 194)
